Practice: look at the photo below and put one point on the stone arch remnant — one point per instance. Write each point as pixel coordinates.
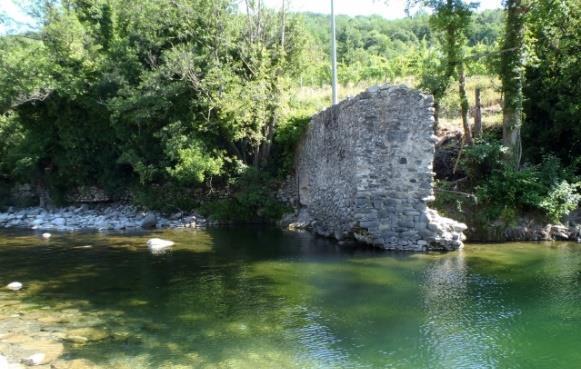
(363, 170)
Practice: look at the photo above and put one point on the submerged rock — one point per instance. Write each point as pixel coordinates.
(85, 335)
(73, 364)
(14, 286)
(77, 340)
(84, 247)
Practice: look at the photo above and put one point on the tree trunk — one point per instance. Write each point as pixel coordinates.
(283, 24)
(511, 136)
(436, 115)
(464, 103)
(512, 66)
(477, 115)
(267, 143)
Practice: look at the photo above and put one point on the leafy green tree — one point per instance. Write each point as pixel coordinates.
(433, 76)
(551, 88)
(142, 93)
(452, 18)
(452, 21)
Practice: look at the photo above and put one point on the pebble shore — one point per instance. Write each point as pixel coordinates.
(102, 218)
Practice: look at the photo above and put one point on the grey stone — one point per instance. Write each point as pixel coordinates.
(113, 217)
(59, 222)
(368, 161)
(150, 221)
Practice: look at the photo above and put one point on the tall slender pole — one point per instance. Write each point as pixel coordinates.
(333, 52)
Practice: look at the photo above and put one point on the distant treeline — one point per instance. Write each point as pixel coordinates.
(372, 48)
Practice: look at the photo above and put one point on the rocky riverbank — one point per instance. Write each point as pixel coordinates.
(525, 229)
(100, 217)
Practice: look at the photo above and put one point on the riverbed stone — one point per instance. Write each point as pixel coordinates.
(150, 221)
(114, 217)
(34, 359)
(73, 364)
(363, 170)
(84, 335)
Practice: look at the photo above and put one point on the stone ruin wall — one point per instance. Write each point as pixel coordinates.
(364, 170)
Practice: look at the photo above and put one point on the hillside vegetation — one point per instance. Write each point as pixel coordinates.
(195, 104)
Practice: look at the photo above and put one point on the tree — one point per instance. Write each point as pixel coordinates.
(433, 76)
(551, 88)
(512, 76)
(142, 93)
(452, 20)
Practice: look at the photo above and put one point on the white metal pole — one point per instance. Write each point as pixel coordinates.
(334, 53)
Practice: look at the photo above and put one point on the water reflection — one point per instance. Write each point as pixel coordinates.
(465, 315)
(262, 298)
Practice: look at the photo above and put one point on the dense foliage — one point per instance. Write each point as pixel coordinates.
(375, 49)
(504, 192)
(141, 93)
(553, 83)
(539, 66)
(174, 101)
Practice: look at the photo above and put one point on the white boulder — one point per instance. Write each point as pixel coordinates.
(3, 362)
(14, 286)
(34, 360)
(46, 235)
(157, 245)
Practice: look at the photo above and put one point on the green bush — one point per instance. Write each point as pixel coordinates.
(286, 140)
(504, 192)
(508, 191)
(253, 200)
(168, 198)
(561, 200)
(480, 160)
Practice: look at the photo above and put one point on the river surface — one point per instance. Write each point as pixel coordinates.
(264, 298)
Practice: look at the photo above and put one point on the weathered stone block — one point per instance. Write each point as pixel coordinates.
(366, 162)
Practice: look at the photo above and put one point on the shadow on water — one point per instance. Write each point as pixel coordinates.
(261, 298)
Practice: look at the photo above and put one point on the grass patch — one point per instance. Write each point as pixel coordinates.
(314, 99)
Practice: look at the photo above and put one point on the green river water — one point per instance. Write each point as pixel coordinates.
(264, 298)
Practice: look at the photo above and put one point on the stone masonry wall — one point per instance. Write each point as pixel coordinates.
(364, 171)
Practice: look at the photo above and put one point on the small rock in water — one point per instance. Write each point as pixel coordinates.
(34, 360)
(14, 286)
(83, 247)
(46, 236)
(78, 340)
(157, 245)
